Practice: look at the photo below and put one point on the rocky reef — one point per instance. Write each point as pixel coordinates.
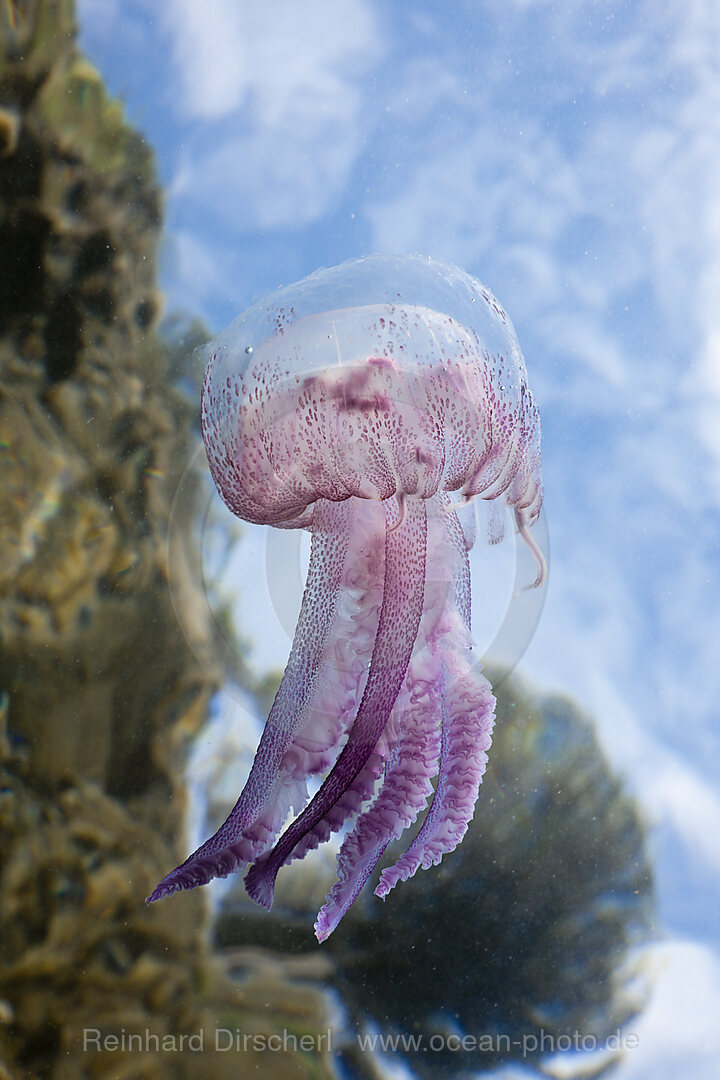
(100, 688)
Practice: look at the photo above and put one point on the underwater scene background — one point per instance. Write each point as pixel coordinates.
(162, 165)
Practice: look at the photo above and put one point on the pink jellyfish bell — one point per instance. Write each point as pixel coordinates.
(366, 403)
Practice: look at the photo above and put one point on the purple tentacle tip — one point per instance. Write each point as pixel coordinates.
(260, 883)
(367, 424)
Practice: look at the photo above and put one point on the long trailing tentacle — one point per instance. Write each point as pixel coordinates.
(404, 794)
(414, 759)
(534, 548)
(467, 716)
(402, 604)
(298, 737)
(467, 721)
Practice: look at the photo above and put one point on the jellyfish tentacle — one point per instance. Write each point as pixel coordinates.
(364, 786)
(534, 548)
(415, 757)
(467, 717)
(402, 605)
(400, 498)
(271, 789)
(465, 707)
(459, 546)
(346, 806)
(403, 795)
(323, 588)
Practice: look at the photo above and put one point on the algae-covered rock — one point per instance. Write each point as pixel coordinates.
(101, 691)
(83, 962)
(93, 441)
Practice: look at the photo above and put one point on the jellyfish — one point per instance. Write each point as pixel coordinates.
(369, 404)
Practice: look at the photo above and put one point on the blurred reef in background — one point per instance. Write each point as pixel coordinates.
(530, 924)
